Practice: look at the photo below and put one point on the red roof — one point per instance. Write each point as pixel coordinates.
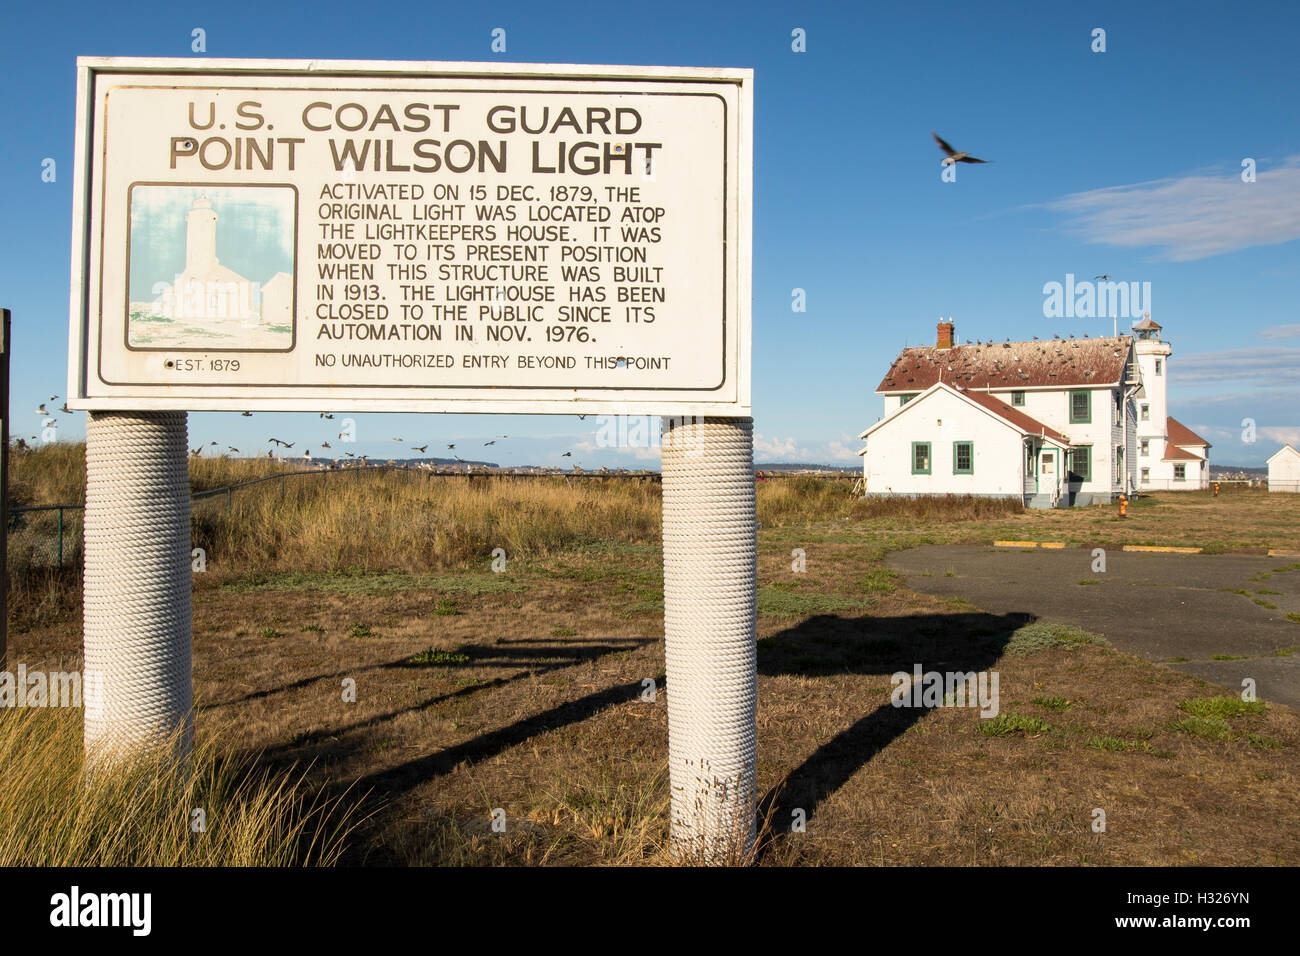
(1174, 453)
(1015, 416)
(1180, 434)
(1062, 363)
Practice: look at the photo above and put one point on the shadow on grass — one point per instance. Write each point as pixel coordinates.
(829, 644)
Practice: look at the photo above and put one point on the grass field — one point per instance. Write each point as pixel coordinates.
(521, 690)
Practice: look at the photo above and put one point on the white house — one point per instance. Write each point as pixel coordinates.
(1284, 469)
(1059, 421)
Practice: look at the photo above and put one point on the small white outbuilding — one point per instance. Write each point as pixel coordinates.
(1284, 470)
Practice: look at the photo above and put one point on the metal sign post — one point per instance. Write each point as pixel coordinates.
(368, 236)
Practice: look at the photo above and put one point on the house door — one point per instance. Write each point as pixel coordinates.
(1047, 474)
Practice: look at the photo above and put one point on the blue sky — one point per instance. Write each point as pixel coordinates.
(1126, 162)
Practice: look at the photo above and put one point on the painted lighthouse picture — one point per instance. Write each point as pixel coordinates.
(211, 267)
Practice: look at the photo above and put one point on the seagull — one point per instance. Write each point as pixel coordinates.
(276, 441)
(397, 439)
(232, 448)
(954, 156)
(40, 409)
(419, 448)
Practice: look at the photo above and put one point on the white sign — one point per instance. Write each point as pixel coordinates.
(374, 236)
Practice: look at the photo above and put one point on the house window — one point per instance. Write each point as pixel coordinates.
(1081, 463)
(1146, 413)
(904, 399)
(1018, 399)
(1146, 475)
(1146, 447)
(1119, 464)
(963, 458)
(1080, 408)
(1180, 472)
(1158, 367)
(920, 457)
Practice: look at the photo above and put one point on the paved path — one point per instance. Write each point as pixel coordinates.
(1157, 606)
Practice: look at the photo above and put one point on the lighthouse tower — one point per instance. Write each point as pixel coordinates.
(201, 237)
(1153, 410)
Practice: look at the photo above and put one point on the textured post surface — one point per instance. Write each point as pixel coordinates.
(137, 582)
(710, 631)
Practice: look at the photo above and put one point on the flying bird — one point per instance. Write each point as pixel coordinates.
(492, 442)
(324, 444)
(40, 409)
(349, 454)
(232, 448)
(65, 409)
(567, 454)
(419, 448)
(247, 414)
(952, 155)
(324, 415)
(451, 446)
(276, 441)
(52, 398)
(1101, 277)
(196, 451)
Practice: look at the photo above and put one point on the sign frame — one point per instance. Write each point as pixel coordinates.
(88, 391)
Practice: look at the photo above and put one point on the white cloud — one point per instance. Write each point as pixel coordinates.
(775, 447)
(1281, 332)
(1264, 364)
(1194, 216)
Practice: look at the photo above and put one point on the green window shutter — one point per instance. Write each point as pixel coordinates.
(1081, 463)
(1080, 407)
(963, 458)
(921, 458)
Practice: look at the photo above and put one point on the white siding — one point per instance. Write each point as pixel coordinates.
(942, 419)
(1284, 470)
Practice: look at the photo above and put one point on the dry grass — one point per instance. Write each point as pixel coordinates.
(55, 812)
(527, 700)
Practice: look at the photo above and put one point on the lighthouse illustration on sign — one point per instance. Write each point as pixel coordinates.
(211, 267)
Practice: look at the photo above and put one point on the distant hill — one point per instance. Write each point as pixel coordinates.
(800, 466)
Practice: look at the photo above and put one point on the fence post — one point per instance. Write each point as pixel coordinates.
(710, 533)
(137, 582)
(60, 537)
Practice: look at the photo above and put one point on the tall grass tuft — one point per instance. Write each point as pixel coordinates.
(55, 812)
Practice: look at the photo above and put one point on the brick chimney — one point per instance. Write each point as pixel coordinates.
(946, 333)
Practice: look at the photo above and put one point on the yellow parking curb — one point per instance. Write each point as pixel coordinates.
(1161, 549)
(1283, 553)
(1015, 544)
(1052, 544)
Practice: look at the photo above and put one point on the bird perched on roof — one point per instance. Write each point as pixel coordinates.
(953, 156)
(326, 415)
(246, 414)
